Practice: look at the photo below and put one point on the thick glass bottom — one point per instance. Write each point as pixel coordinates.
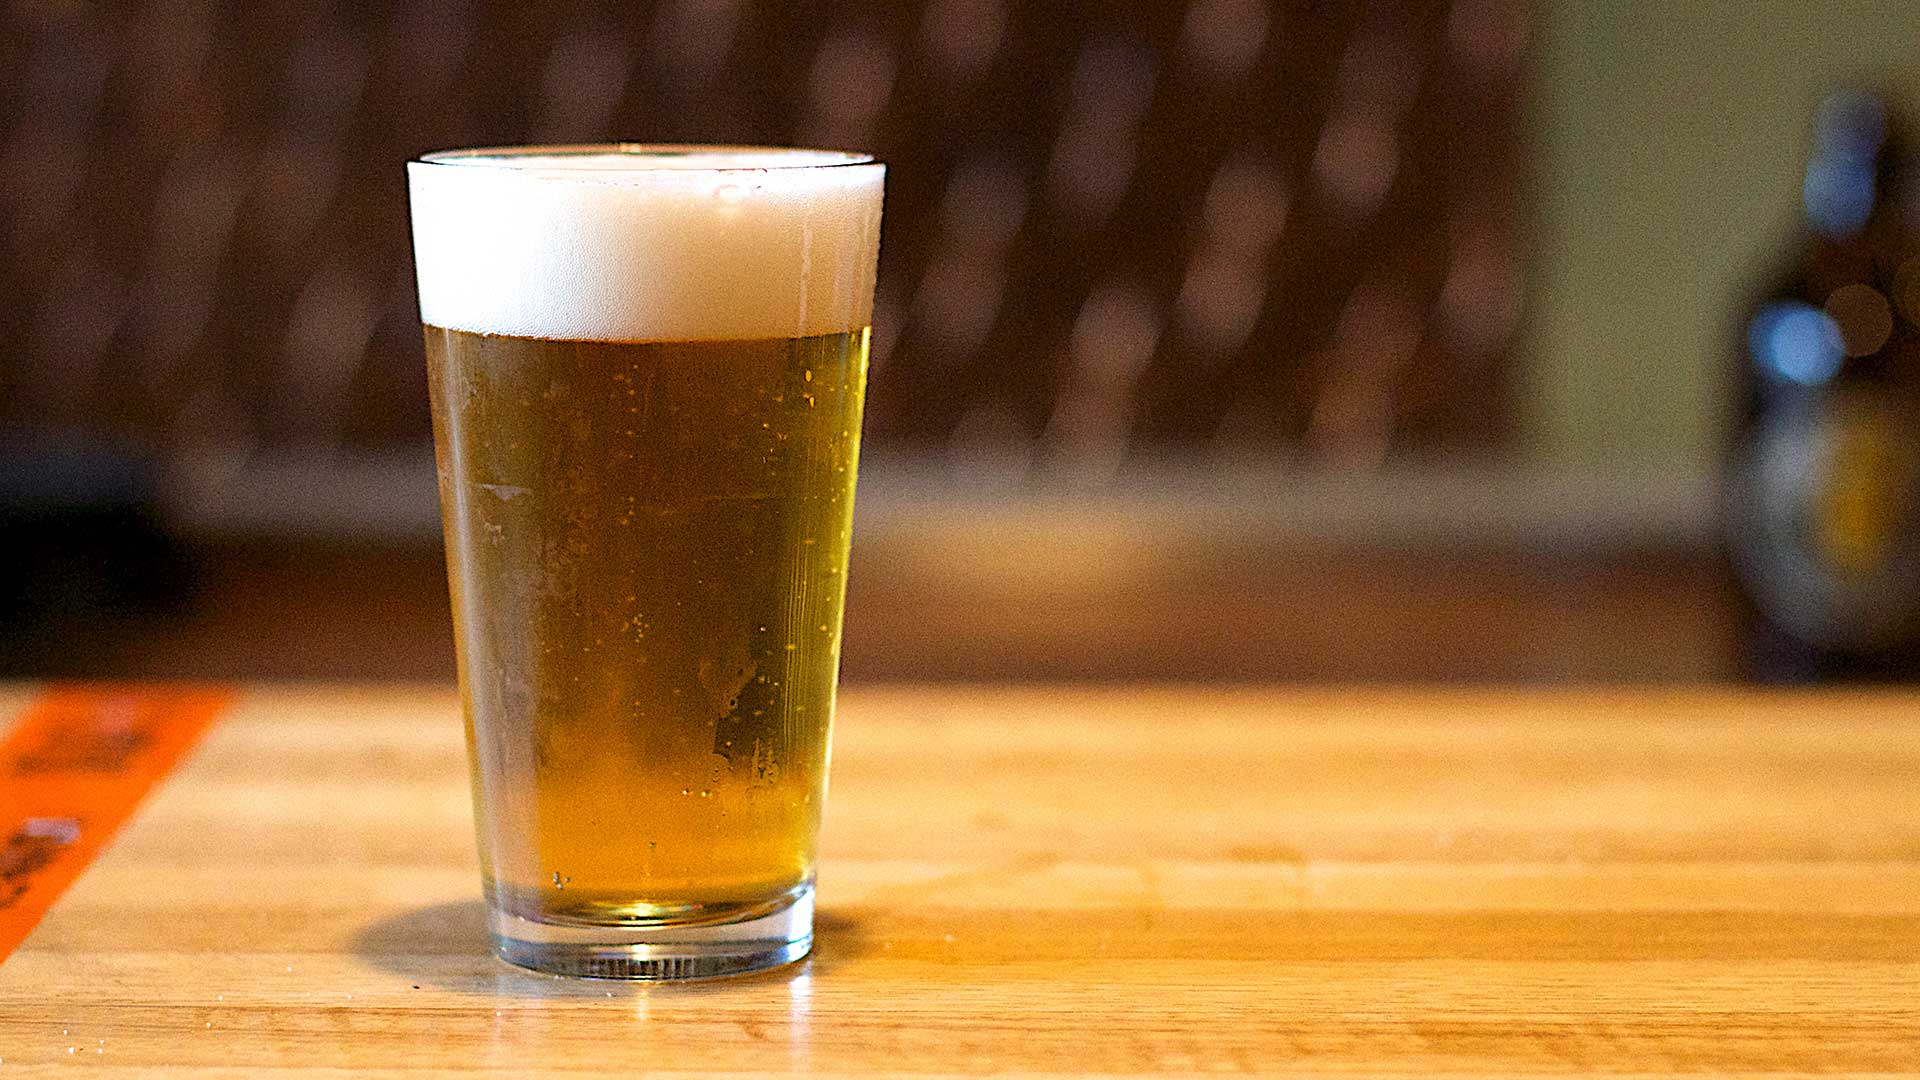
(658, 951)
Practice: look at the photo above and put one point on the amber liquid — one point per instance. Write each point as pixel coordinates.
(647, 550)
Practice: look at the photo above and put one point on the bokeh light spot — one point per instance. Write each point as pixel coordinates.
(1796, 342)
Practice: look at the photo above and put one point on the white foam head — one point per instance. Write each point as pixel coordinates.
(621, 243)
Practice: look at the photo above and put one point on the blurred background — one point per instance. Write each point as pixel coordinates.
(1215, 339)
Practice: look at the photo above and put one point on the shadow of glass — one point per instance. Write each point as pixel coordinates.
(838, 937)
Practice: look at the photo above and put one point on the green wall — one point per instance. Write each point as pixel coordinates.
(1670, 141)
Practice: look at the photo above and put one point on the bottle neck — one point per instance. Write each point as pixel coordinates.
(1858, 170)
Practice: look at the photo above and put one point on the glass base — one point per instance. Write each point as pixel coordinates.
(658, 953)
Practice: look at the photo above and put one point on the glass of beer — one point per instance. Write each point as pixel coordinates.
(647, 366)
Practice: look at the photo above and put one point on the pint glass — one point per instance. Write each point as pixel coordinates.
(646, 366)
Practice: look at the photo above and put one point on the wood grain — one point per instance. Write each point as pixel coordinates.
(1062, 882)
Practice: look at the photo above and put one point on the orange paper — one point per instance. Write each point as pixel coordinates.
(75, 767)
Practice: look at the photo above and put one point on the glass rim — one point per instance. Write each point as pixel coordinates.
(503, 157)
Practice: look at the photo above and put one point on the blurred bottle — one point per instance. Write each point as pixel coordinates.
(1822, 509)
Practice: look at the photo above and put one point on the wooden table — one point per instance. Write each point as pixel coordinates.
(1060, 882)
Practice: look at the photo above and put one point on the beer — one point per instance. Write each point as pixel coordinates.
(647, 368)
(647, 551)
